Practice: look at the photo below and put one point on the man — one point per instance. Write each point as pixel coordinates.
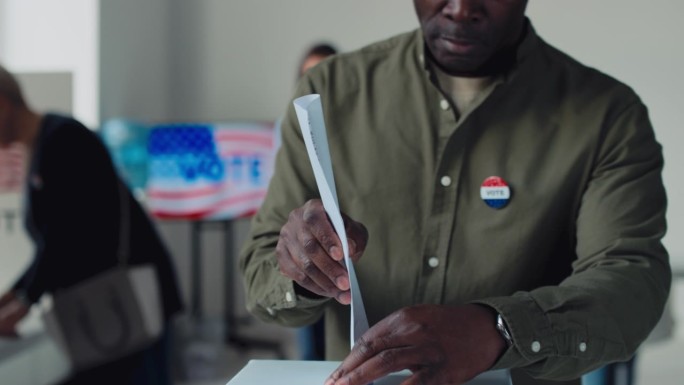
(73, 217)
(505, 207)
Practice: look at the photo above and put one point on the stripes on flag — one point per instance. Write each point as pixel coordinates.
(13, 166)
(209, 171)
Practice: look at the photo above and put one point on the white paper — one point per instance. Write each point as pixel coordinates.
(310, 115)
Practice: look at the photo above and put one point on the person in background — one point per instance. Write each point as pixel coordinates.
(313, 56)
(73, 216)
(504, 207)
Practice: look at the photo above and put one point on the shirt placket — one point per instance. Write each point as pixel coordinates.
(443, 210)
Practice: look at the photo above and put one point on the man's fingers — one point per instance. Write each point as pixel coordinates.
(289, 269)
(370, 344)
(382, 364)
(309, 252)
(317, 264)
(344, 297)
(319, 224)
(303, 260)
(290, 257)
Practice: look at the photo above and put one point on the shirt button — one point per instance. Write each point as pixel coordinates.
(583, 347)
(445, 181)
(288, 297)
(433, 262)
(270, 311)
(421, 59)
(444, 104)
(536, 346)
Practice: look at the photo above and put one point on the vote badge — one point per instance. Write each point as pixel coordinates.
(495, 192)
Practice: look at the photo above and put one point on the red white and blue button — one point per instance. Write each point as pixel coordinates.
(495, 192)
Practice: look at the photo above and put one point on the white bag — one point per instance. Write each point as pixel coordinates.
(113, 314)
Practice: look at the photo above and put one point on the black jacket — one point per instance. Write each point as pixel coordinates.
(73, 215)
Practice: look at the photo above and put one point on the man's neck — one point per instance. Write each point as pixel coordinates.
(496, 65)
(463, 91)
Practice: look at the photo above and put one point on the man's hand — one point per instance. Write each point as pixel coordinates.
(12, 310)
(440, 344)
(310, 253)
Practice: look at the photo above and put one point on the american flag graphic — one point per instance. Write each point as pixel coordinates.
(13, 165)
(209, 171)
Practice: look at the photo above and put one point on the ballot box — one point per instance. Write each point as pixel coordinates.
(269, 372)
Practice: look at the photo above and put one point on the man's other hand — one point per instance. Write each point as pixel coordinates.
(439, 344)
(310, 253)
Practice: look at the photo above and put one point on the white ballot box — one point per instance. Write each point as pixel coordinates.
(269, 372)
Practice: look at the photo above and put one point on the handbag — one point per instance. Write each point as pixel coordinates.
(110, 315)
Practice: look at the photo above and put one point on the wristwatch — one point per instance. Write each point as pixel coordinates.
(503, 330)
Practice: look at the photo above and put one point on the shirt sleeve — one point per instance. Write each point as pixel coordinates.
(270, 295)
(621, 278)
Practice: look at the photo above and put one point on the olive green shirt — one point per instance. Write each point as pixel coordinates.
(574, 262)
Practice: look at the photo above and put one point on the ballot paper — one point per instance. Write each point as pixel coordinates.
(310, 115)
(268, 372)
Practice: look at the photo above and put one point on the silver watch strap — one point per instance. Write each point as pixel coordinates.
(503, 330)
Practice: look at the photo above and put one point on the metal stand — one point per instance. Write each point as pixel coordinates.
(230, 320)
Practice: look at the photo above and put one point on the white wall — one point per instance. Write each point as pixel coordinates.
(639, 43)
(51, 36)
(48, 91)
(135, 59)
(238, 58)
